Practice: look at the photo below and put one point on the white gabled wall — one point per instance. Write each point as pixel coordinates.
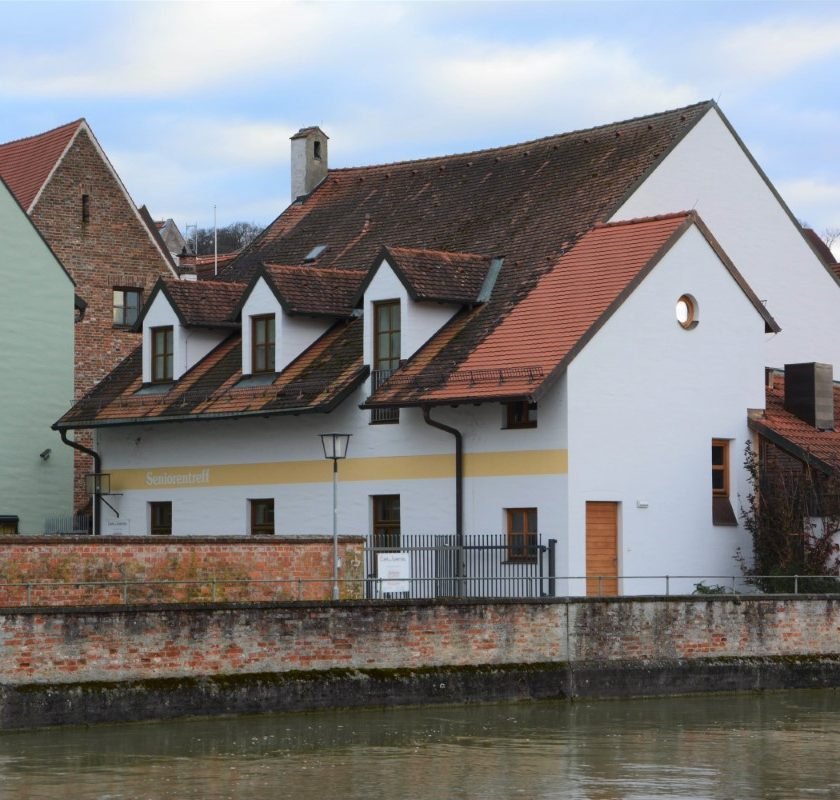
(645, 400)
(419, 321)
(709, 172)
(292, 335)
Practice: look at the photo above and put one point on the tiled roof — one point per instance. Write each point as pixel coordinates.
(312, 290)
(205, 266)
(546, 328)
(25, 164)
(821, 448)
(319, 379)
(438, 275)
(199, 303)
(527, 203)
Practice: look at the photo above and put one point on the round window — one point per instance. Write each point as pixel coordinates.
(686, 312)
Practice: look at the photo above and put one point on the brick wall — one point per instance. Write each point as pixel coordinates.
(112, 249)
(54, 571)
(66, 646)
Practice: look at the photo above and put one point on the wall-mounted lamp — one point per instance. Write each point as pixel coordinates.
(45, 454)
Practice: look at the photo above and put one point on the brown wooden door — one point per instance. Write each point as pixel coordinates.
(601, 548)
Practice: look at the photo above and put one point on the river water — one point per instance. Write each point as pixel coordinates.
(775, 745)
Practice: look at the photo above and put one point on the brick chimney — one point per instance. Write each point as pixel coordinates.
(309, 160)
(809, 394)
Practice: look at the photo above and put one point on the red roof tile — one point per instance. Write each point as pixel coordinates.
(795, 435)
(550, 324)
(25, 164)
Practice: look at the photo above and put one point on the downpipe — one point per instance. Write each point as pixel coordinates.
(459, 489)
(97, 467)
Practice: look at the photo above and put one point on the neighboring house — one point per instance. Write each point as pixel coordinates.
(172, 237)
(71, 192)
(539, 337)
(36, 362)
(798, 432)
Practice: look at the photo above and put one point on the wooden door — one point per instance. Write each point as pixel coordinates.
(601, 548)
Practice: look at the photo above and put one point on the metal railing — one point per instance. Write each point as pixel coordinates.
(72, 525)
(485, 565)
(219, 590)
(377, 378)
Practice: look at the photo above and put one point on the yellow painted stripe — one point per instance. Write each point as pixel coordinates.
(476, 465)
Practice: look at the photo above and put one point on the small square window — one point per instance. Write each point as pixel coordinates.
(262, 517)
(160, 518)
(126, 307)
(520, 414)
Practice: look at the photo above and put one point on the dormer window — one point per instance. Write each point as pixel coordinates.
(262, 343)
(162, 354)
(386, 335)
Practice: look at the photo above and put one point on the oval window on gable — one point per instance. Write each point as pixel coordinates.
(686, 312)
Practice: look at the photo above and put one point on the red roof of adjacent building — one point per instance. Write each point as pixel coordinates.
(25, 164)
(820, 448)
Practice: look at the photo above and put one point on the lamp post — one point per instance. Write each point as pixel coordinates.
(335, 448)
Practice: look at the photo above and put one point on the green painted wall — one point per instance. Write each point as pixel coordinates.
(36, 372)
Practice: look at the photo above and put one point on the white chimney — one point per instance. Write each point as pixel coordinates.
(309, 160)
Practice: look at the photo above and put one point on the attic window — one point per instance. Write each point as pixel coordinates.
(314, 253)
(316, 150)
(686, 312)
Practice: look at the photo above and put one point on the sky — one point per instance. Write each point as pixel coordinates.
(194, 102)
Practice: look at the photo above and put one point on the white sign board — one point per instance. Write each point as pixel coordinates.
(116, 527)
(394, 571)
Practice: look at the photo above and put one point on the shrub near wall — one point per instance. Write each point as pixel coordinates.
(86, 570)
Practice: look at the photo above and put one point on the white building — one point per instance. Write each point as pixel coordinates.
(551, 309)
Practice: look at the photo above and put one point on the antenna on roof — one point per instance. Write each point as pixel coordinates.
(215, 244)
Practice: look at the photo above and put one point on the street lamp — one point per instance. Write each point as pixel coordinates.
(335, 447)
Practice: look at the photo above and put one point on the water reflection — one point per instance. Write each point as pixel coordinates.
(759, 746)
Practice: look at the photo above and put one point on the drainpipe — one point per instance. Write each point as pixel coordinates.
(97, 467)
(459, 489)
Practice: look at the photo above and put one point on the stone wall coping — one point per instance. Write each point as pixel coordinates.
(244, 539)
(350, 605)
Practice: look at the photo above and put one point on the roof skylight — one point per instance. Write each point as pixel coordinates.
(314, 253)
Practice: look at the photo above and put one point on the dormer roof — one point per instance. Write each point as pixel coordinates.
(437, 275)
(309, 291)
(200, 304)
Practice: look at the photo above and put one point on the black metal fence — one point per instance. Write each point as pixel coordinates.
(479, 565)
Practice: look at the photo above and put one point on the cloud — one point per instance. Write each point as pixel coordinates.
(778, 47)
(160, 50)
(813, 199)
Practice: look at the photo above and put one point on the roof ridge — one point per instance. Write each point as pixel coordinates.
(514, 147)
(392, 248)
(641, 220)
(312, 268)
(74, 123)
(181, 282)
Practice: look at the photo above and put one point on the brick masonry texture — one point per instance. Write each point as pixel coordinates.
(113, 249)
(54, 572)
(66, 646)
